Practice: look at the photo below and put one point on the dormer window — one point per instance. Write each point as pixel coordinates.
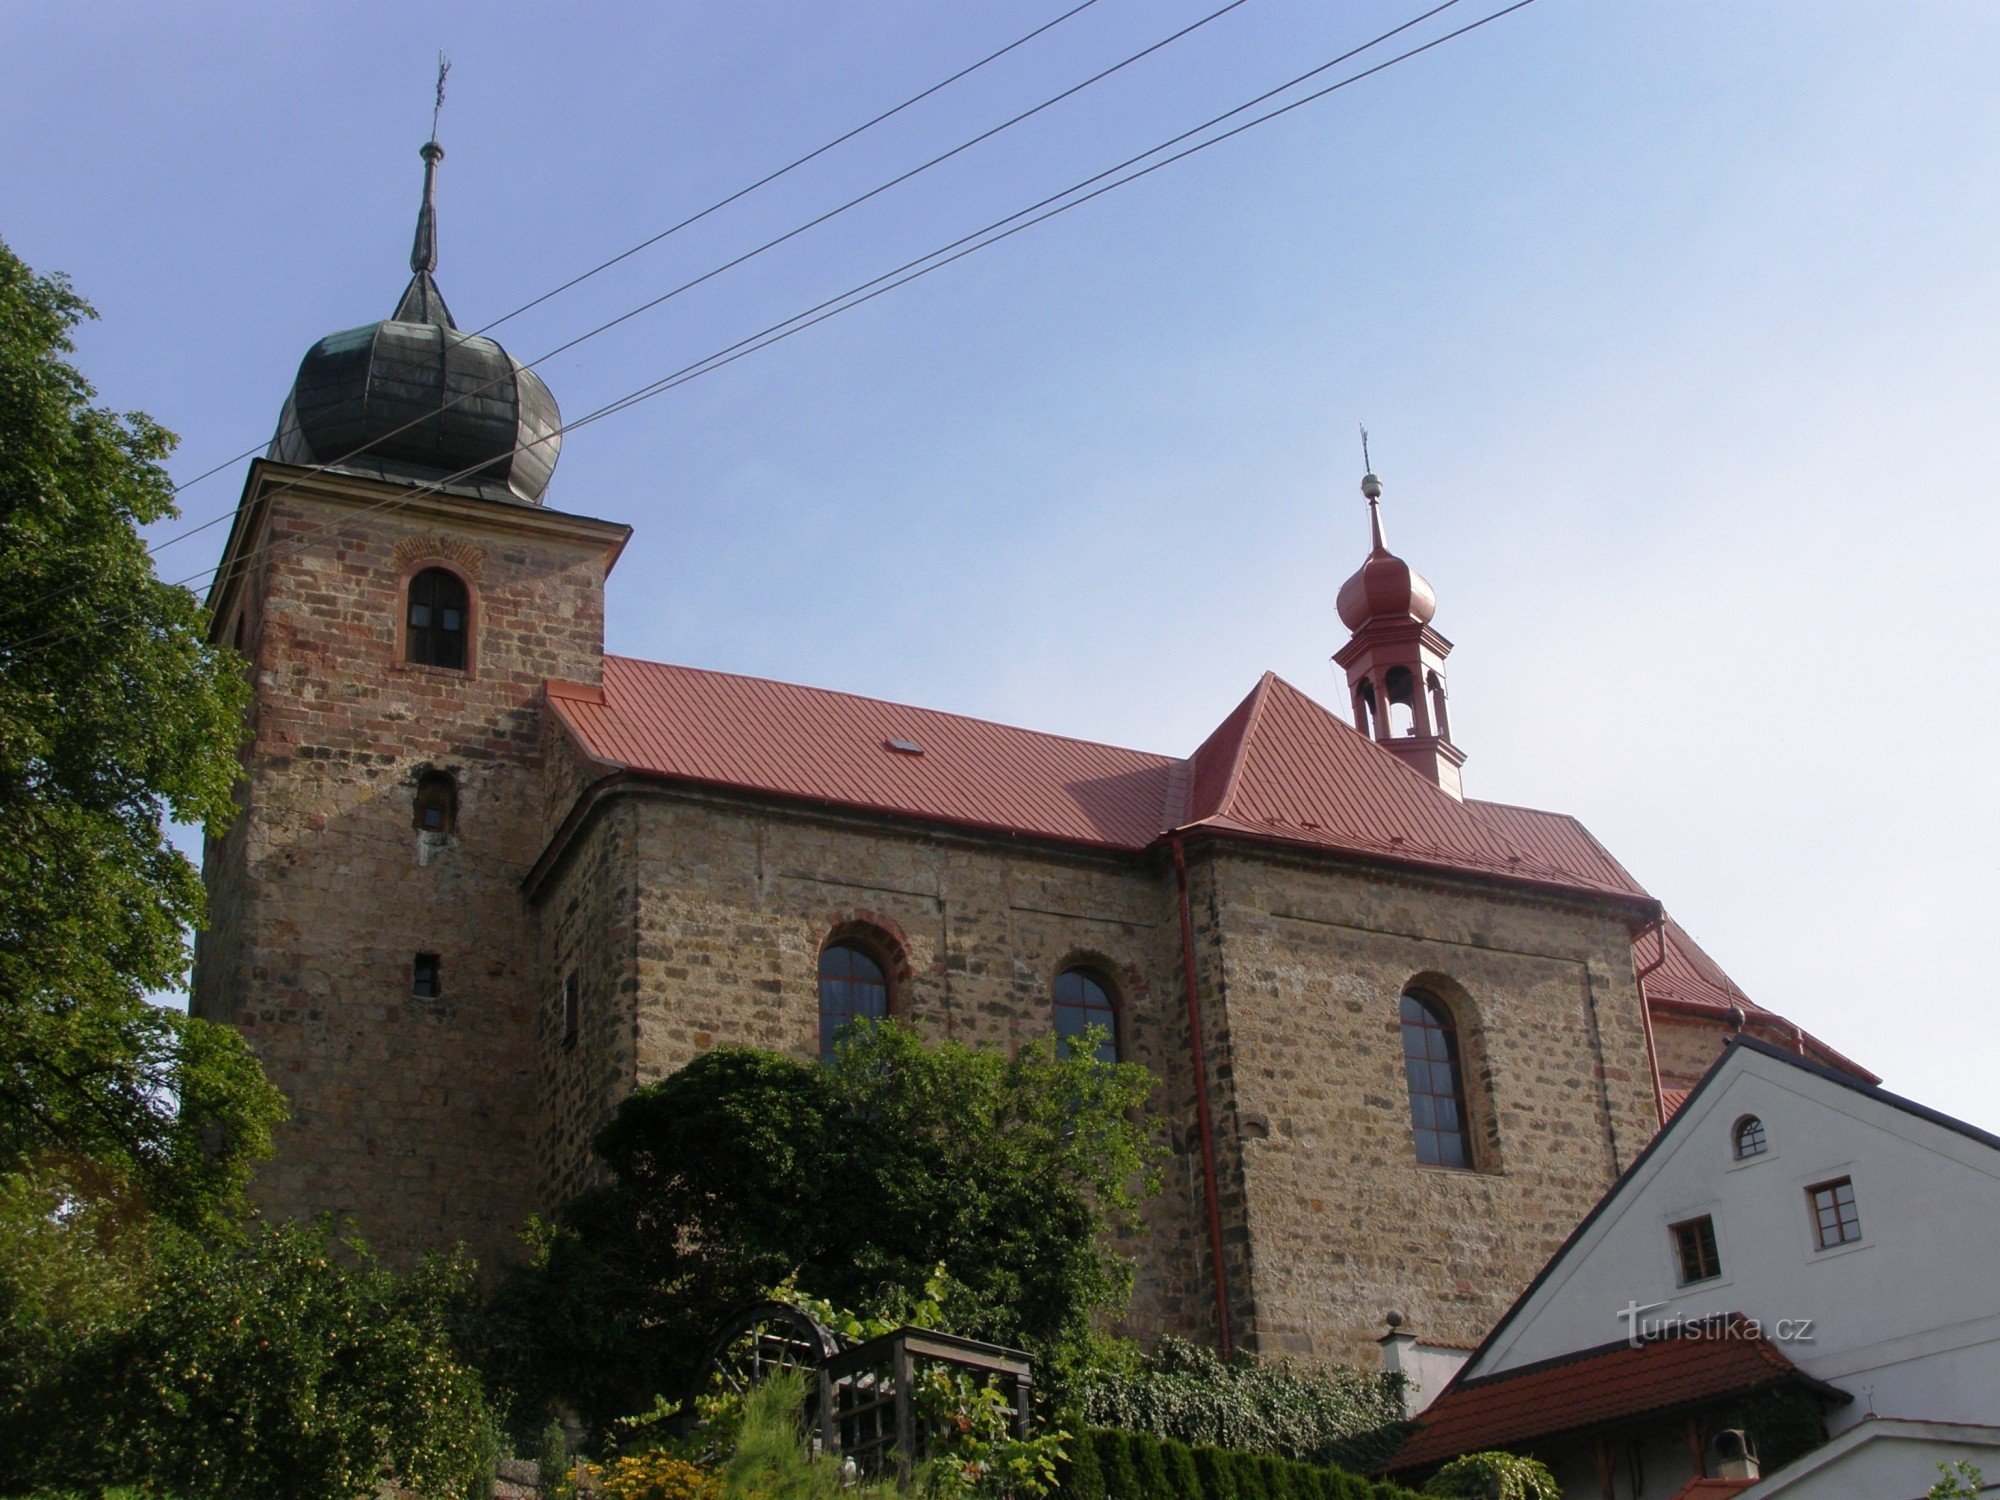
(437, 619)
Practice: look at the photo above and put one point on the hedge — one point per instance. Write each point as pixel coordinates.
(1107, 1464)
(1322, 1414)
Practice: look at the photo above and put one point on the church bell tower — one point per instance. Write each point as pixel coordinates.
(1394, 660)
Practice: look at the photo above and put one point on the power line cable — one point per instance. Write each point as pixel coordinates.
(751, 254)
(721, 203)
(915, 269)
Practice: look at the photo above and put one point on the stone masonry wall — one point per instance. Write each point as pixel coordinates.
(1328, 1220)
(409, 1114)
(733, 905)
(1345, 1224)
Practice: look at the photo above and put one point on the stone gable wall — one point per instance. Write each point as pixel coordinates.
(410, 1115)
(1344, 1222)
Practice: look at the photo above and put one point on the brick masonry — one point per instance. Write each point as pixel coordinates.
(694, 918)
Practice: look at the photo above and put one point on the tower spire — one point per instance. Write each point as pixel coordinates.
(424, 250)
(422, 302)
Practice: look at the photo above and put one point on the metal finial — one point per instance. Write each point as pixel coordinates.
(424, 250)
(437, 105)
(1365, 464)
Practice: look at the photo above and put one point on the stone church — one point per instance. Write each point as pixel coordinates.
(487, 879)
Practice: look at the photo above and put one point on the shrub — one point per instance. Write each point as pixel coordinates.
(1149, 1464)
(1183, 1483)
(1078, 1477)
(289, 1366)
(1139, 1466)
(554, 1468)
(1216, 1472)
(1114, 1463)
(1325, 1415)
(1494, 1476)
(654, 1475)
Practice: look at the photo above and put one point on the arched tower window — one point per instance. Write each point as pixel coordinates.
(1437, 1087)
(1083, 1001)
(1749, 1138)
(852, 987)
(436, 808)
(437, 620)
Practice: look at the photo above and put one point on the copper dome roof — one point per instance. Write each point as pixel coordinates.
(414, 400)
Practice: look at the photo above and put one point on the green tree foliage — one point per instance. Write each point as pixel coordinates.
(284, 1365)
(1324, 1414)
(115, 716)
(1494, 1476)
(853, 1182)
(1959, 1481)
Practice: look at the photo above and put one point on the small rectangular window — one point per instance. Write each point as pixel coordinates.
(1835, 1219)
(426, 980)
(572, 1007)
(1694, 1244)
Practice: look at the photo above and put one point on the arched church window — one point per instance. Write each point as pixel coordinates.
(852, 987)
(1749, 1138)
(436, 808)
(1437, 1087)
(1082, 1002)
(437, 619)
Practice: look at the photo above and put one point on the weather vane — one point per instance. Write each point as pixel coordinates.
(437, 105)
(1366, 466)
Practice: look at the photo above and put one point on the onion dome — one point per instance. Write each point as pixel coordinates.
(411, 399)
(1386, 587)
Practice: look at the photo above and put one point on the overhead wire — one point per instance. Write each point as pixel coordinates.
(751, 254)
(991, 234)
(719, 204)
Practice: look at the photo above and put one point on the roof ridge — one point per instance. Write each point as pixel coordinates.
(1258, 697)
(942, 713)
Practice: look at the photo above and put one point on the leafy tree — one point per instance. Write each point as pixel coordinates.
(286, 1365)
(115, 716)
(854, 1182)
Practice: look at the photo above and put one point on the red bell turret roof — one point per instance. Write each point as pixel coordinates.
(1384, 587)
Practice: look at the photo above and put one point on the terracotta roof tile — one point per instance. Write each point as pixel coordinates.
(1713, 1360)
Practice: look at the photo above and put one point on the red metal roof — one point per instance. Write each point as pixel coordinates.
(718, 729)
(1280, 767)
(1692, 982)
(1707, 1362)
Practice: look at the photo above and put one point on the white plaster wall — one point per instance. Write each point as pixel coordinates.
(1907, 1319)
(1897, 1462)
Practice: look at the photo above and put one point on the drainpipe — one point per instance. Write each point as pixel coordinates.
(1646, 1016)
(1203, 1120)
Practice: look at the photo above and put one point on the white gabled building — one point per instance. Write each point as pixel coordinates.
(1790, 1227)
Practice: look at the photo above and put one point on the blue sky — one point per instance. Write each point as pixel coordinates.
(1674, 325)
